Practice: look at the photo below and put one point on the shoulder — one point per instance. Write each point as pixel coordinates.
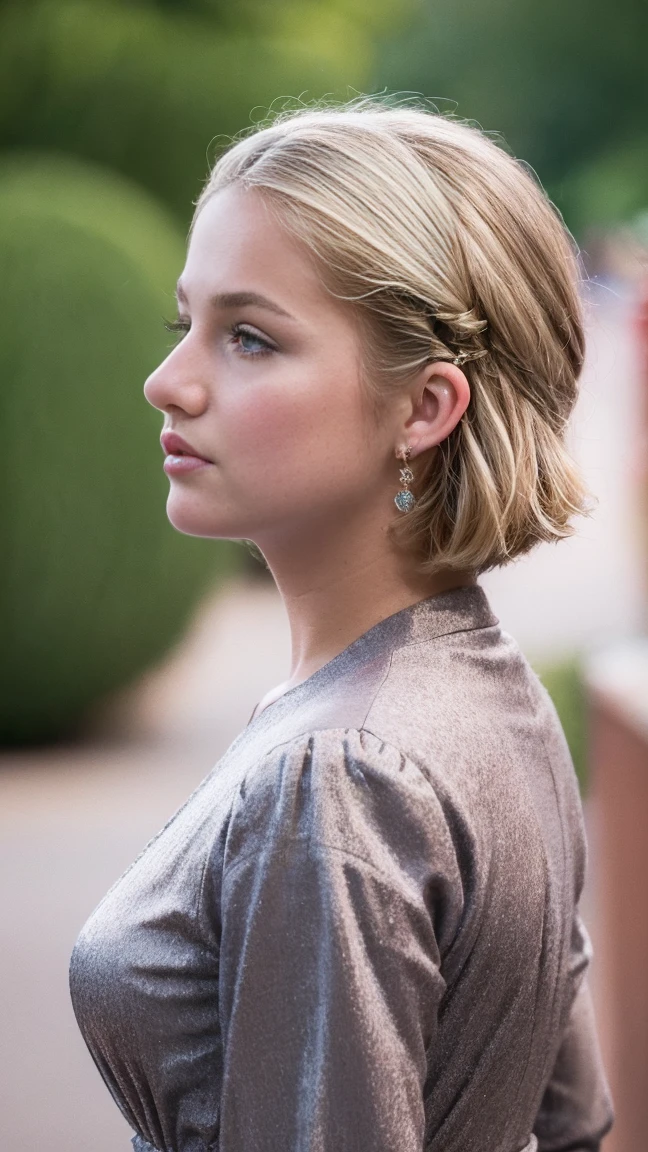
(471, 711)
(468, 700)
(345, 789)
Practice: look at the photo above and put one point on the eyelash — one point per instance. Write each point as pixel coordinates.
(234, 330)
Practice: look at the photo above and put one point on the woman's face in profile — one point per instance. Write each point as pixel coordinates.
(265, 385)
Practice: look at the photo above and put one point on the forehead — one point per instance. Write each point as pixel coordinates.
(238, 245)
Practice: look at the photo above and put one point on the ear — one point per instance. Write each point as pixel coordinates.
(438, 399)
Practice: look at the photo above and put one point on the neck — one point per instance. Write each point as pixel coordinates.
(337, 581)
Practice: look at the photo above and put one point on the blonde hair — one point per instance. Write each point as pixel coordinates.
(445, 245)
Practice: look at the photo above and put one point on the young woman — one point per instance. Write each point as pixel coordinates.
(360, 933)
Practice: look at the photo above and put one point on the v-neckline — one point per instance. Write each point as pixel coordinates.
(472, 603)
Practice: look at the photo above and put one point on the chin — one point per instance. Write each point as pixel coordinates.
(186, 515)
(191, 517)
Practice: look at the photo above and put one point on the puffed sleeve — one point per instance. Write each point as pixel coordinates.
(576, 1110)
(339, 888)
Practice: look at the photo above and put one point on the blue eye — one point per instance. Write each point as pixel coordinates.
(241, 332)
(238, 332)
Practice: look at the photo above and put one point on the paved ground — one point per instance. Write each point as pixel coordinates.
(71, 819)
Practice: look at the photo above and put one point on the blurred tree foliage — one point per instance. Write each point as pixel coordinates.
(144, 86)
(566, 84)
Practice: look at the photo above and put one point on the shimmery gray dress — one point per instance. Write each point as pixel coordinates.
(360, 932)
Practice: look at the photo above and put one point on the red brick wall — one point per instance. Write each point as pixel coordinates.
(620, 794)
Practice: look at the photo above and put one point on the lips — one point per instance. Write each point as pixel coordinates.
(174, 445)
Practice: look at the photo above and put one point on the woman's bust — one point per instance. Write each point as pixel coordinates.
(361, 932)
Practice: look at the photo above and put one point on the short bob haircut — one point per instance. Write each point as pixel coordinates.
(443, 244)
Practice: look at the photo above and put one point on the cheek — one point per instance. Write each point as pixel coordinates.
(300, 439)
(287, 451)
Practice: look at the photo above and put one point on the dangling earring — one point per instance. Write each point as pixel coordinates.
(404, 500)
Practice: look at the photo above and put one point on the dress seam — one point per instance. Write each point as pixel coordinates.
(227, 869)
(310, 843)
(379, 688)
(559, 809)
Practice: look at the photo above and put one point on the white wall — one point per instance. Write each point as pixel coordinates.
(586, 590)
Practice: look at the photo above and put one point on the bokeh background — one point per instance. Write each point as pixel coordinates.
(131, 656)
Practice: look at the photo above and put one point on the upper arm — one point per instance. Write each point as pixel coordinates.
(330, 979)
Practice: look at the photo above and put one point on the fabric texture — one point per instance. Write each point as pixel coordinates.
(360, 933)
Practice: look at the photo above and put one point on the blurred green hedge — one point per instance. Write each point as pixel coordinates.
(565, 683)
(95, 581)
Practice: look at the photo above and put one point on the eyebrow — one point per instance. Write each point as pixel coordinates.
(238, 300)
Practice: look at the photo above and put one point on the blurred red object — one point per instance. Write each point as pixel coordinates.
(618, 728)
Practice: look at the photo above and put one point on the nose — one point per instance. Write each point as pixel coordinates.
(176, 385)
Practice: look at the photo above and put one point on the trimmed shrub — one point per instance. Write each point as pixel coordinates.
(565, 683)
(95, 582)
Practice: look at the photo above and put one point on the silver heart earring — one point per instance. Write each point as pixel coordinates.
(404, 500)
